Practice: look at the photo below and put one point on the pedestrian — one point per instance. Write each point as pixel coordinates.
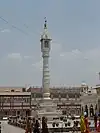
(95, 121)
(44, 125)
(37, 127)
(28, 126)
(0, 127)
(33, 125)
(75, 127)
(98, 126)
(86, 124)
(82, 124)
(26, 130)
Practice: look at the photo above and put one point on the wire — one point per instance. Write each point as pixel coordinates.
(13, 26)
(4, 20)
(20, 30)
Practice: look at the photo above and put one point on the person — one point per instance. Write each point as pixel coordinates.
(44, 125)
(98, 126)
(82, 124)
(28, 126)
(86, 123)
(74, 128)
(0, 127)
(95, 121)
(36, 127)
(33, 124)
(86, 110)
(26, 130)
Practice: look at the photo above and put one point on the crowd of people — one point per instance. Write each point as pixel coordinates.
(34, 126)
(84, 123)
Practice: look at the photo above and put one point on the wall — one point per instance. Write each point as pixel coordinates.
(9, 89)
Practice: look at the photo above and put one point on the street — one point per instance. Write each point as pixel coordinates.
(6, 128)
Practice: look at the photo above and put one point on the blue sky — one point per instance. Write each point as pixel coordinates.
(74, 26)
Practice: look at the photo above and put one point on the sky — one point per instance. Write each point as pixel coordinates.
(74, 26)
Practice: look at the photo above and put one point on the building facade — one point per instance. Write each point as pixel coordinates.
(97, 88)
(70, 108)
(56, 92)
(14, 102)
(12, 89)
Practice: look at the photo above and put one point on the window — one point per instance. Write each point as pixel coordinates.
(18, 112)
(5, 113)
(23, 89)
(12, 90)
(46, 44)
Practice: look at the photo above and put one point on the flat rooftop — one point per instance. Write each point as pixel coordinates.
(15, 93)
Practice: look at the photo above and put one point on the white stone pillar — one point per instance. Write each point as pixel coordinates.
(45, 49)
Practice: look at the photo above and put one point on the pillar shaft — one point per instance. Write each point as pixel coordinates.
(46, 77)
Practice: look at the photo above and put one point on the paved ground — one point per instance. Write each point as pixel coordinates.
(5, 128)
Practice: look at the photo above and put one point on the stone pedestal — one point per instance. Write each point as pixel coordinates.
(48, 109)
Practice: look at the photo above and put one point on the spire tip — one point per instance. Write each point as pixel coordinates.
(45, 24)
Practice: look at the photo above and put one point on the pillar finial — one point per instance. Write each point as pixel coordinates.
(45, 24)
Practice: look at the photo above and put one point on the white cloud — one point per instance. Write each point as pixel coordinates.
(70, 55)
(71, 67)
(66, 68)
(75, 66)
(5, 30)
(28, 57)
(15, 56)
(18, 56)
(93, 54)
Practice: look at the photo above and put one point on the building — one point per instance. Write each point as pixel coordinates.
(55, 92)
(12, 89)
(97, 88)
(14, 101)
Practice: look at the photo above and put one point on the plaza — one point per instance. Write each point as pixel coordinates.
(6, 128)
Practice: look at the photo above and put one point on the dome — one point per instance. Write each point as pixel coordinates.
(83, 84)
